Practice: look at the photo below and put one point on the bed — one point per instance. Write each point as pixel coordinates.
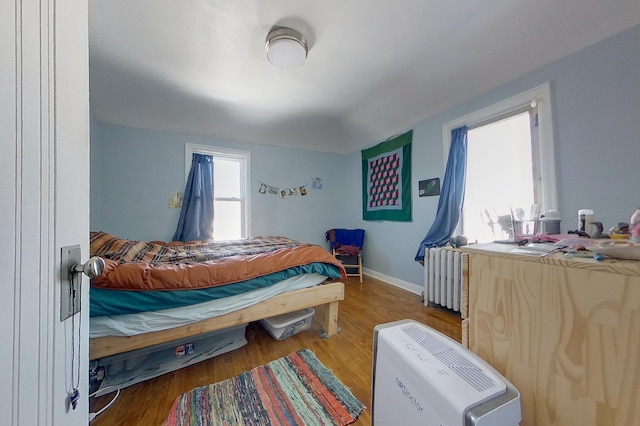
(151, 293)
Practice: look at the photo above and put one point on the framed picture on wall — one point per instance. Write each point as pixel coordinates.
(429, 187)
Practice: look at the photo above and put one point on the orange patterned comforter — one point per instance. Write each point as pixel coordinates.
(137, 265)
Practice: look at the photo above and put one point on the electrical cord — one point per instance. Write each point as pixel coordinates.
(75, 379)
(110, 389)
(103, 409)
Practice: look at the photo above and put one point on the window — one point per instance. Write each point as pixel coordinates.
(230, 189)
(510, 162)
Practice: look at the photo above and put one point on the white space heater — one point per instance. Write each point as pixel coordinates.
(444, 273)
(422, 377)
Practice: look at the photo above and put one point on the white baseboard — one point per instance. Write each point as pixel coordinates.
(405, 285)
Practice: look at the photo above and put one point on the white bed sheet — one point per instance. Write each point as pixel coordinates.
(144, 322)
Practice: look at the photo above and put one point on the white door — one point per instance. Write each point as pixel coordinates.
(44, 206)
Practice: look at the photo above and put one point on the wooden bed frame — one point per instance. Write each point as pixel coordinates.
(328, 294)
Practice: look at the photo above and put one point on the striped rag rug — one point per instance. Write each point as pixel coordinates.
(294, 390)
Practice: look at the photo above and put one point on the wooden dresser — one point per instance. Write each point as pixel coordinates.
(565, 332)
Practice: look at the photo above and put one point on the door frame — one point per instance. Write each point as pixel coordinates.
(44, 121)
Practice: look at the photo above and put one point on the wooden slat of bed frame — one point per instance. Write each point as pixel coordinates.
(329, 294)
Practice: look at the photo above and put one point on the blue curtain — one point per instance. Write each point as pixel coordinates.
(452, 195)
(196, 216)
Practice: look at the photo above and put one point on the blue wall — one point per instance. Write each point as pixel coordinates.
(596, 118)
(136, 169)
(596, 107)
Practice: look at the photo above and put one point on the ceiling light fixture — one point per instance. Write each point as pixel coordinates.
(286, 48)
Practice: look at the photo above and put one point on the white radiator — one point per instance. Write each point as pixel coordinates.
(444, 275)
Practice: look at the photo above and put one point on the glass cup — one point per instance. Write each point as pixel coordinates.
(526, 225)
(525, 229)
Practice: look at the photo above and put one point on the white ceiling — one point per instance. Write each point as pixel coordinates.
(375, 67)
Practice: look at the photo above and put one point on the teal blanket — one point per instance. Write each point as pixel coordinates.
(118, 302)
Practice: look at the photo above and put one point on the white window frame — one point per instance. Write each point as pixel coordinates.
(244, 157)
(543, 152)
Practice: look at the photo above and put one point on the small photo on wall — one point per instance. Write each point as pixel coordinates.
(316, 183)
(429, 187)
(263, 188)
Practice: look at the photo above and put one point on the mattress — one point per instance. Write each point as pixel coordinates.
(144, 322)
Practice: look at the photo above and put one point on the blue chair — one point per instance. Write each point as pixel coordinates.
(346, 245)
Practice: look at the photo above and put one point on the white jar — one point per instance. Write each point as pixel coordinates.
(585, 221)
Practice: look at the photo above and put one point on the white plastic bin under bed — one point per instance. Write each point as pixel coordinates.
(133, 367)
(286, 325)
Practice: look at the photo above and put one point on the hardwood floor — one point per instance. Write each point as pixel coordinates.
(348, 354)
